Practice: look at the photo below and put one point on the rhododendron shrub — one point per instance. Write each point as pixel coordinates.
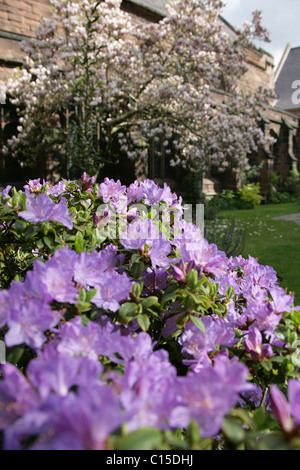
(120, 84)
(137, 336)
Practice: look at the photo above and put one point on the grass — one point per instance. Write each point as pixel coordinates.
(274, 243)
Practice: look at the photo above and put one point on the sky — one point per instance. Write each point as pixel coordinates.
(280, 17)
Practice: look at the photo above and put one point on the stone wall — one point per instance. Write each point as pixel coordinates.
(261, 70)
(18, 21)
(23, 16)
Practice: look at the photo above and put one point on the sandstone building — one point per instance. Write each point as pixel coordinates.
(18, 21)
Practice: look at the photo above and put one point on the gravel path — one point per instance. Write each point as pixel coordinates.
(292, 217)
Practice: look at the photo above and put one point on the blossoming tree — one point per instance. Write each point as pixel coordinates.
(122, 84)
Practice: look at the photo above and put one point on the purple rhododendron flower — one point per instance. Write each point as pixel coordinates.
(89, 341)
(33, 186)
(256, 396)
(57, 189)
(5, 192)
(93, 340)
(294, 400)
(148, 390)
(4, 307)
(265, 276)
(155, 279)
(42, 209)
(32, 289)
(112, 288)
(57, 373)
(181, 272)
(185, 232)
(134, 192)
(253, 345)
(132, 214)
(28, 323)
(207, 257)
(198, 344)
(208, 395)
(132, 347)
(111, 190)
(262, 314)
(280, 409)
(284, 410)
(139, 233)
(87, 182)
(16, 395)
(159, 252)
(282, 302)
(152, 193)
(168, 197)
(109, 257)
(57, 281)
(88, 268)
(81, 421)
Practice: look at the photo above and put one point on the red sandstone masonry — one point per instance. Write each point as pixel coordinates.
(23, 16)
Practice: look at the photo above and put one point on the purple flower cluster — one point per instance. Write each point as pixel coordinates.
(42, 208)
(287, 411)
(64, 403)
(69, 398)
(30, 314)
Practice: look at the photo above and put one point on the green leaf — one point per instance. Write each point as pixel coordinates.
(229, 292)
(141, 439)
(205, 286)
(260, 417)
(22, 201)
(45, 227)
(20, 226)
(90, 294)
(189, 304)
(198, 323)
(296, 317)
(137, 289)
(149, 302)
(192, 434)
(138, 269)
(79, 242)
(205, 302)
(84, 320)
(82, 295)
(143, 321)
(83, 307)
(127, 311)
(49, 242)
(182, 320)
(31, 232)
(192, 279)
(14, 354)
(170, 294)
(267, 365)
(135, 258)
(233, 431)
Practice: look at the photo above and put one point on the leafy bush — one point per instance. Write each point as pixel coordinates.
(282, 198)
(292, 185)
(126, 329)
(250, 196)
(273, 186)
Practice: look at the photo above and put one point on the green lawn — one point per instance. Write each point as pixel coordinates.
(274, 242)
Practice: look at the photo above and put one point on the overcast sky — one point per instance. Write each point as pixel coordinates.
(281, 17)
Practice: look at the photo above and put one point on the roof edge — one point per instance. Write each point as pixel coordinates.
(147, 7)
(282, 61)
